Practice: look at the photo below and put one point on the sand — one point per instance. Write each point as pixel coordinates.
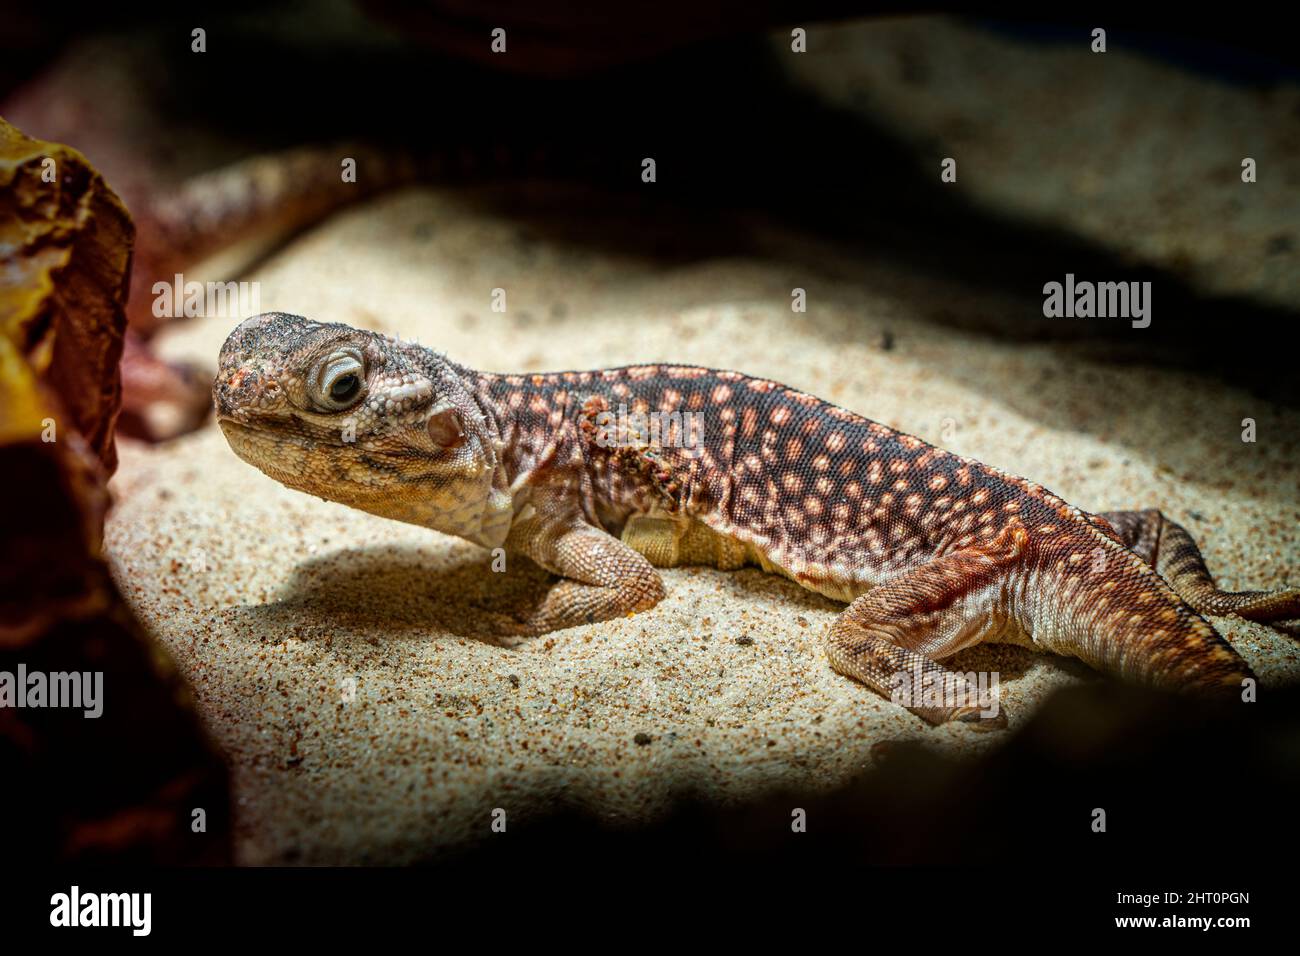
(334, 655)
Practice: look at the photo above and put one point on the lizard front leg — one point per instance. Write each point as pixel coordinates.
(891, 637)
(604, 577)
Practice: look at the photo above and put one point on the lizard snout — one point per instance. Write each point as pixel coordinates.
(241, 391)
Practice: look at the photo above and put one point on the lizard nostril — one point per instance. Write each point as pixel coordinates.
(242, 390)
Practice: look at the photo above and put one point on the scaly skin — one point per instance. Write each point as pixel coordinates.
(933, 552)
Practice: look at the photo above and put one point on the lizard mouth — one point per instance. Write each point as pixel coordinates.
(283, 458)
(240, 434)
(231, 424)
(284, 455)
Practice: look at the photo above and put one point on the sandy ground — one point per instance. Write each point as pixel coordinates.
(1131, 151)
(334, 654)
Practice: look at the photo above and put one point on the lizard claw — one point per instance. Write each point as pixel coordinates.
(976, 720)
(508, 630)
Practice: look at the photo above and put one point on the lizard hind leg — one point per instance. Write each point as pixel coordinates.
(892, 636)
(1171, 550)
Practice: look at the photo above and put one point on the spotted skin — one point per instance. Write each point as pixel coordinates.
(932, 552)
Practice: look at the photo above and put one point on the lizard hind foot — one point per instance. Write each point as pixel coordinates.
(1170, 548)
(1280, 607)
(889, 638)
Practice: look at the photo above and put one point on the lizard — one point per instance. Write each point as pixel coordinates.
(932, 552)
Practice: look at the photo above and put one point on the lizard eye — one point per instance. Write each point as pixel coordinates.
(345, 387)
(341, 381)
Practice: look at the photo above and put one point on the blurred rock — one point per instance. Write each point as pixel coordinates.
(121, 786)
(66, 240)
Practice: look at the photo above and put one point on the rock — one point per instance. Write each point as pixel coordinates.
(125, 785)
(67, 248)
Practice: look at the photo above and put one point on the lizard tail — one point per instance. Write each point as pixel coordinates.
(268, 197)
(1102, 603)
(257, 199)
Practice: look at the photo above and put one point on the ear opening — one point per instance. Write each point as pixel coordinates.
(446, 428)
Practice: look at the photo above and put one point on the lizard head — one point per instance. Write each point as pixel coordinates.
(356, 417)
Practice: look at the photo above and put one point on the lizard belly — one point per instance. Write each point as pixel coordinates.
(670, 542)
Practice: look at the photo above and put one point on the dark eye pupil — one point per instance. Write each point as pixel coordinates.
(344, 387)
